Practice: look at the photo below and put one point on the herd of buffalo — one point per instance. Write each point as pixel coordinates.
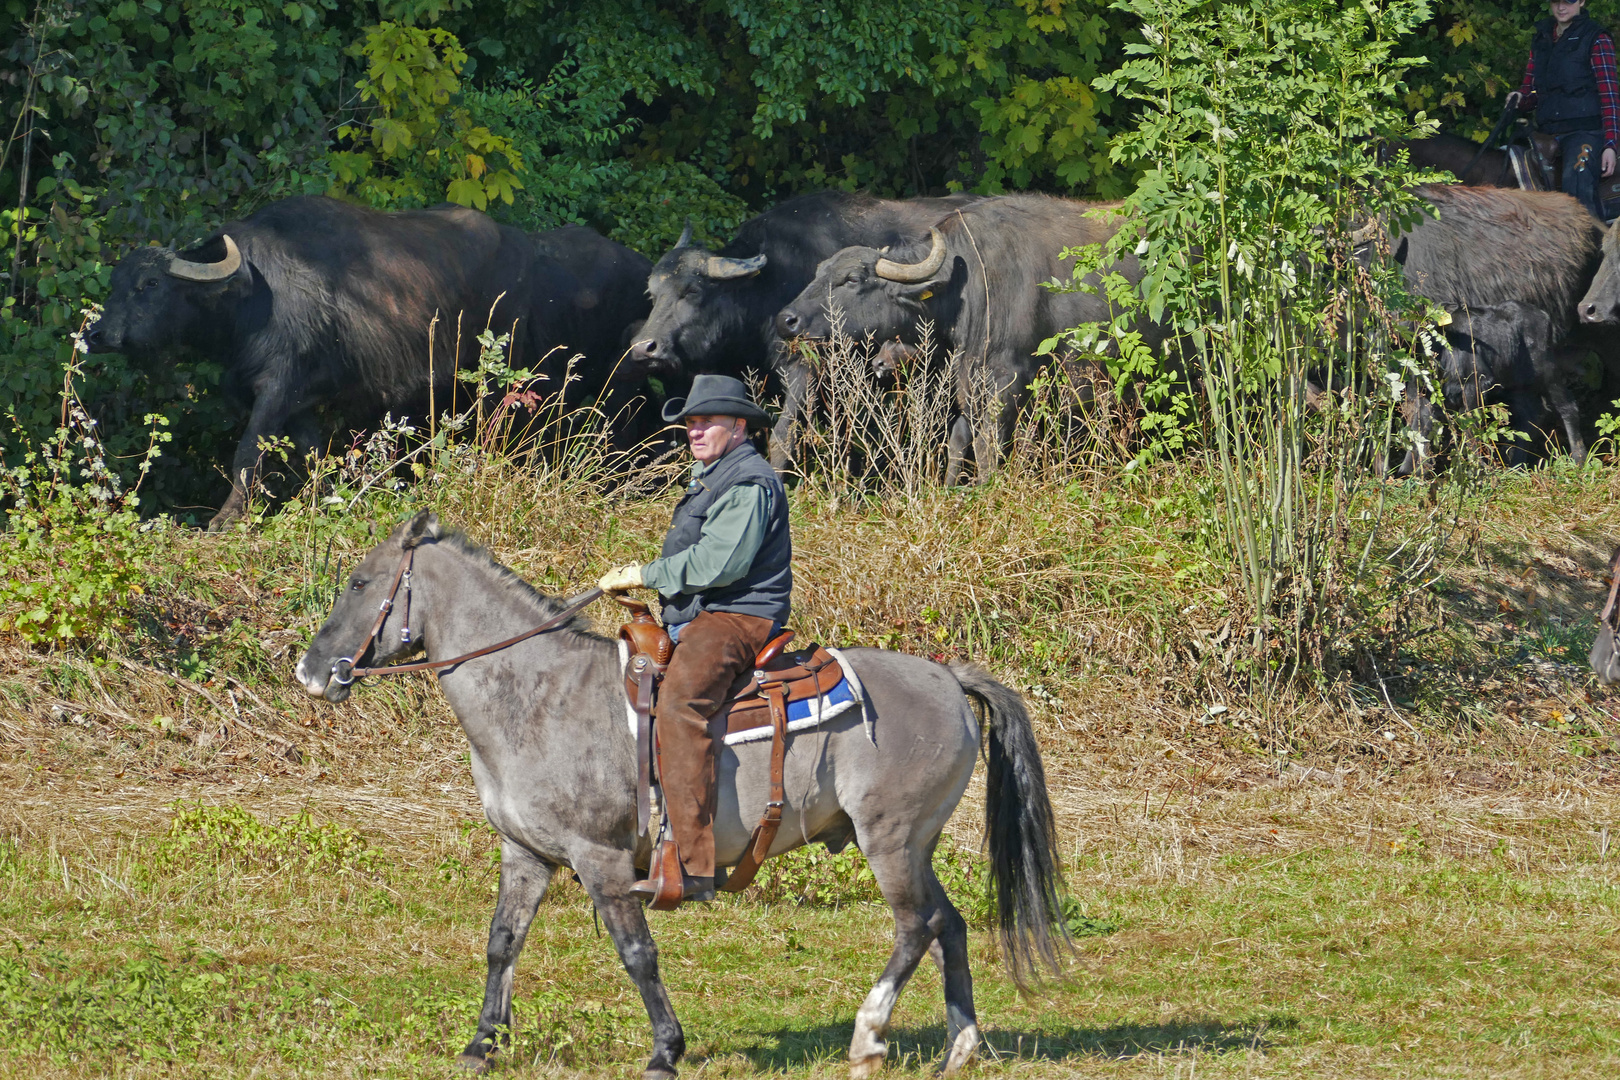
(319, 306)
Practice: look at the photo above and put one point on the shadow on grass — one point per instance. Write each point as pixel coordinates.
(800, 1046)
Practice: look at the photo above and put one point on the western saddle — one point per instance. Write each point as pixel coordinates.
(756, 700)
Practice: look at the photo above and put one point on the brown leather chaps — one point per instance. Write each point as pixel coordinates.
(714, 649)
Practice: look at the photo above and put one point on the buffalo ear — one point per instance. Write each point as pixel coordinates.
(424, 526)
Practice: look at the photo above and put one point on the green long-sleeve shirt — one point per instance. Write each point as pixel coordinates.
(732, 533)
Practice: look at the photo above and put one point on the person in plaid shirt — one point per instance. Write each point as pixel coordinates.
(1570, 83)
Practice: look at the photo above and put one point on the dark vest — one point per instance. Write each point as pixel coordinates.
(1566, 88)
(766, 588)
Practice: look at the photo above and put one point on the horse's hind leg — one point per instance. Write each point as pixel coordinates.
(905, 878)
(950, 955)
(523, 883)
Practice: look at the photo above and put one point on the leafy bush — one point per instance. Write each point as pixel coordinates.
(71, 561)
(414, 144)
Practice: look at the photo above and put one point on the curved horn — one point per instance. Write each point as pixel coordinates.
(686, 235)
(722, 269)
(218, 271)
(912, 272)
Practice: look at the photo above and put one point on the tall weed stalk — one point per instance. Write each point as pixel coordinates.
(1292, 354)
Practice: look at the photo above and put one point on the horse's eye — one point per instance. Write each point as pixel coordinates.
(359, 584)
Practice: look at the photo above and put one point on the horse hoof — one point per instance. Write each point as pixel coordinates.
(963, 1051)
(865, 1067)
(473, 1063)
(658, 1074)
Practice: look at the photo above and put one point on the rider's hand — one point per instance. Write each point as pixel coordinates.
(1513, 99)
(1608, 161)
(623, 579)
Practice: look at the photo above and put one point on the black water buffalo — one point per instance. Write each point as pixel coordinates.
(713, 311)
(1506, 352)
(595, 318)
(1530, 250)
(312, 302)
(1605, 656)
(978, 279)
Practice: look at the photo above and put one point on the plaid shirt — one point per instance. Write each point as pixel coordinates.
(1608, 87)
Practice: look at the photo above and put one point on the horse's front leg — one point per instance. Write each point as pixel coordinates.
(523, 884)
(607, 880)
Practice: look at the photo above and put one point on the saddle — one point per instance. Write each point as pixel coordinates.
(756, 700)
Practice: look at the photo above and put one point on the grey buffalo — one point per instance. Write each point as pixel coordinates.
(1495, 254)
(977, 277)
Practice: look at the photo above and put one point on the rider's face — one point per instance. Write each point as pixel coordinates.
(1564, 13)
(711, 436)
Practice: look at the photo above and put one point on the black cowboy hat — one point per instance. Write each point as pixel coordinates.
(716, 395)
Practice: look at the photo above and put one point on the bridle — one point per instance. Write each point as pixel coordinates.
(344, 672)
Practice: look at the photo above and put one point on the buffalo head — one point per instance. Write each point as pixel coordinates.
(697, 306)
(160, 299)
(875, 295)
(1601, 304)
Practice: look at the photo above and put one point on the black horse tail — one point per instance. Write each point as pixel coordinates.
(1025, 869)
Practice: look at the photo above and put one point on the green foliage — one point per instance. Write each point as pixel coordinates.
(414, 143)
(1471, 53)
(145, 1009)
(1251, 137)
(232, 835)
(71, 563)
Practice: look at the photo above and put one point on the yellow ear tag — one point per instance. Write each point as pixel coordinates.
(1443, 319)
(926, 293)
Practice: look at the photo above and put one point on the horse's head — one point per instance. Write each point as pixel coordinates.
(1606, 649)
(346, 640)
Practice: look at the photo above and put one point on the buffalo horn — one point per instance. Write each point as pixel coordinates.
(723, 269)
(686, 235)
(913, 272)
(218, 271)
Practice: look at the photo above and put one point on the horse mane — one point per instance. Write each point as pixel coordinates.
(545, 606)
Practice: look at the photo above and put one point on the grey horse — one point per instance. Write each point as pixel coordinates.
(1606, 648)
(554, 762)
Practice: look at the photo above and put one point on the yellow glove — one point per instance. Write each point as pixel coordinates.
(623, 579)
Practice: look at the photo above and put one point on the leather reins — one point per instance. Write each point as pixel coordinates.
(344, 672)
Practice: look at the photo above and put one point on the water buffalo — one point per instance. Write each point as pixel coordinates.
(1606, 649)
(1601, 304)
(595, 318)
(1490, 247)
(713, 311)
(979, 281)
(314, 302)
(1506, 352)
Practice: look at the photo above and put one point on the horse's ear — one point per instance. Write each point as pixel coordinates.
(424, 526)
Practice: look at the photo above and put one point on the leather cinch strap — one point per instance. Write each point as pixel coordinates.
(759, 845)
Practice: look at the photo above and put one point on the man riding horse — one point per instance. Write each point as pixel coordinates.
(725, 578)
(1570, 82)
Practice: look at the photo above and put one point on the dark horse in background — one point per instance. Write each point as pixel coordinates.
(554, 761)
(1455, 154)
